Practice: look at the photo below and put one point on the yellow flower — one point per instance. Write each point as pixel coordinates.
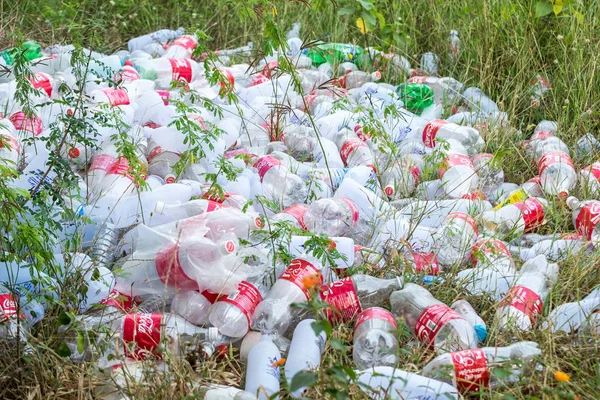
(561, 376)
(273, 11)
(362, 26)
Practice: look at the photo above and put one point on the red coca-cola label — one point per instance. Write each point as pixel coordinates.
(533, 213)
(169, 269)
(304, 275)
(121, 167)
(31, 124)
(536, 179)
(483, 247)
(121, 301)
(233, 153)
(40, 80)
(116, 97)
(554, 157)
(455, 160)
(594, 169)
(297, 211)
(102, 162)
(426, 263)
(156, 151)
(541, 135)
(375, 313)
(269, 68)
(9, 141)
(418, 79)
(430, 131)
(213, 297)
(470, 370)
(229, 76)
(341, 295)
(353, 209)
(264, 164)
(431, 321)
(587, 219)
(525, 300)
(349, 147)
(185, 41)
(465, 217)
(165, 95)
(246, 298)
(8, 307)
(126, 75)
(181, 69)
(141, 335)
(257, 79)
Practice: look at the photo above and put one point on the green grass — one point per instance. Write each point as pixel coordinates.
(503, 47)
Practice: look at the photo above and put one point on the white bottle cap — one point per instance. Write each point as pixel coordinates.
(160, 206)
(213, 334)
(572, 202)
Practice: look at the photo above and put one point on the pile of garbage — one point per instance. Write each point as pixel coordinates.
(215, 195)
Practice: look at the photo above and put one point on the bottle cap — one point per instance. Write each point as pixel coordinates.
(160, 206)
(213, 334)
(572, 202)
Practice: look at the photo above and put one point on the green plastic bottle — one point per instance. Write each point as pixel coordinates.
(416, 96)
(31, 49)
(335, 53)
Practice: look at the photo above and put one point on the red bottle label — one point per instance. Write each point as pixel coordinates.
(418, 79)
(156, 151)
(426, 263)
(353, 208)
(10, 141)
(430, 131)
(116, 97)
(304, 275)
(587, 219)
(213, 297)
(31, 124)
(465, 217)
(594, 169)
(375, 313)
(349, 147)
(121, 167)
(121, 301)
(483, 247)
(297, 211)
(170, 271)
(102, 162)
(181, 69)
(264, 164)
(432, 320)
(525, 300)
(246, 298)
(455, 160)
(541, 135)
(470, 370)
(8, 308)
(126, 75)
(185, 41)
(341, 295)
(533, 213)
(41, 80)
(165, 95)
(141, 335)
(554, 157)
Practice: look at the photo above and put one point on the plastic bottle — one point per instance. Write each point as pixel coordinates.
(554, 249)
(454, 238)
(10, 314)
(163, 71)
(458, 175)
(435, 324)
(349, 296)
(478, 101)
(182, 47)
(454, 50)
(491, 176)
(539, 88)
(466, 310)
(278, 183)
(569, 317)
(304, 353)
(589, 180)
(472, 370)
(332, 216)
(353, 150)
(262, 373)
(9, 146)
(557, 174)
(191, 305)
(374, 341)
(159, 37)
(523, 304)
(514, 219)
(400, 180)
(429, 63)
(586, 215)
(389, 383)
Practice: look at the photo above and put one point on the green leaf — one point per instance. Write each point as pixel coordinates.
(381, 19)
(579, 17)
(63, 350)
(80, 342)
(543, 8)
(369, 18)
(366, 4)
(303, 379)
(65, 318)
(557, 6)
(337, 344)
(346, 11)
(322, 326)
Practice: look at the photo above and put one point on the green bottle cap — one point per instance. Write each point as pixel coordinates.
(416, 96)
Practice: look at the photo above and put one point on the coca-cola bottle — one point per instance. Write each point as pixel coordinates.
(514, 219)
(441, 129)
(454, 238)
(458, 175)
(332, 216)
(435, 324)
(586, 215)
(490, 173)
(472, 370)
(374, 341)
(569, 317)
(557, 173)
(297, 284)
(279, 184)
(401, 179)
(353, 150)
(589, 179)
(349, 296)
(10, 316)
(523, 304)
(166, 70)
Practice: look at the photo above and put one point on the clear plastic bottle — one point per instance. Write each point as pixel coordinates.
(589, 180)
(161, 161)
(458, 176)
(472, 370)
(163, 71)
(435, 324)
(401, 179)
(191, 305)
(557, 173)
(349, 296)
(586, 216)
(430, 63)
(332, 216)
(279, 184)
(569, 317)
(374, 341)
(478, 101)
(355, 79)
(10, 314)
(466, 310)
(182, 47)
(539, 88)
(514, 219)
(465, 135)
(293, 214)
(523, 304)
(454, 50)
(491, 175)
(454, 238)
(353, 150)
